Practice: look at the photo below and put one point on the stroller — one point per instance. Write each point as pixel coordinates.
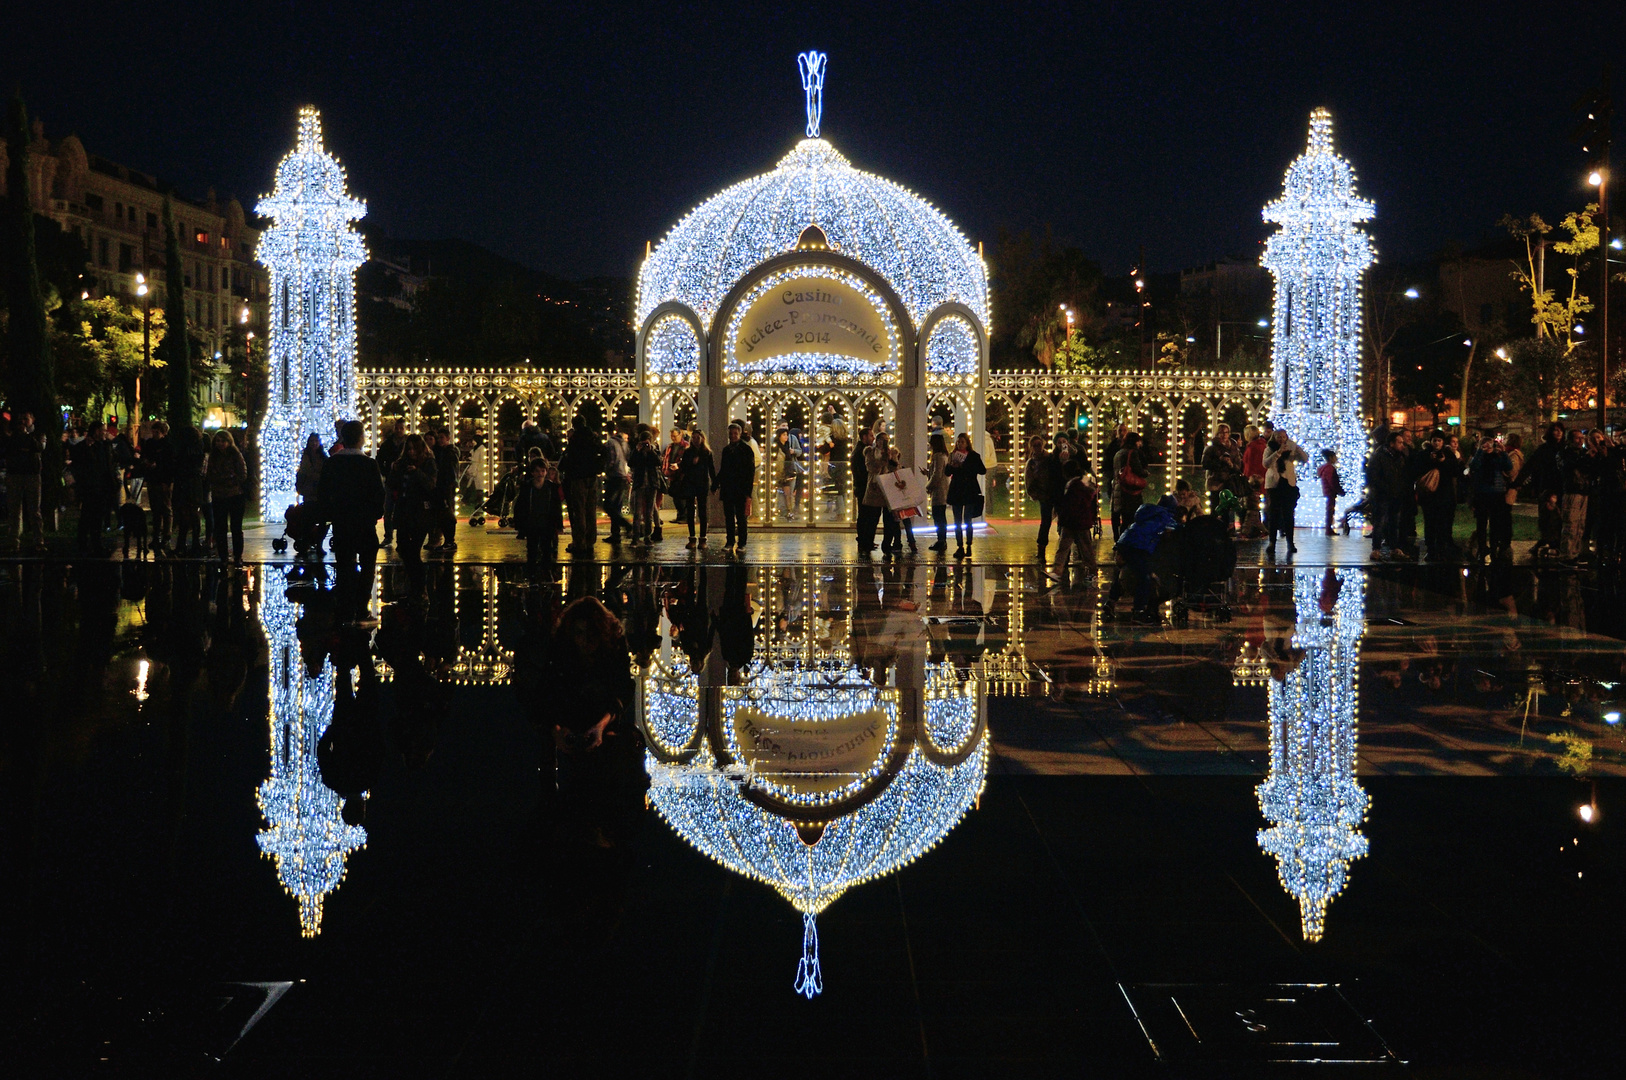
(501, 503)
(300, 528)
(1205, 562)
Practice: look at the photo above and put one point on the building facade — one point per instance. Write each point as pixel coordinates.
(116, 213)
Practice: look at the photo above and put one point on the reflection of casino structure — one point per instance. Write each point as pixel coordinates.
(1311, 797)
(811, 296)
(306, 833)
(839, 756)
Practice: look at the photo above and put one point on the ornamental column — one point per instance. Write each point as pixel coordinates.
(312, 252)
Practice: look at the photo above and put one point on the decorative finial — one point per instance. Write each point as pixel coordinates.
(812, 65)
(1320, 131)
(310, 130)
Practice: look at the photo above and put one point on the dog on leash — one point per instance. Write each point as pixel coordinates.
(133, 523)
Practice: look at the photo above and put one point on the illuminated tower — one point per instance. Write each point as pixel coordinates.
(1310, 797)
(312, 252)
(1318, 256)
(305, 833)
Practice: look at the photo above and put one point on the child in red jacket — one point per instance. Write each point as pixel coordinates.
(1331, 486)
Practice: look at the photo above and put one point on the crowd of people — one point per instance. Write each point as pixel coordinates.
(193, 483)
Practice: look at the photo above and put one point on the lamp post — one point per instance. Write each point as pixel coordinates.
(1600, 180)
(1219, 330)
(146, 353)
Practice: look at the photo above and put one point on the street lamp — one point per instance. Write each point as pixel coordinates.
(1411, 294)
(146, 353)
(1599, 178)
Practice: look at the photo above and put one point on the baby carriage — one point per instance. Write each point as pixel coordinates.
(300, 528)
(501, 503)
(1205, 560)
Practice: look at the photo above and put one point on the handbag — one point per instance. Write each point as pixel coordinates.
(1132, 482)
(1429, 482)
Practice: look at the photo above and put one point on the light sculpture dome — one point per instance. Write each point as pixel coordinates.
(798, 831)
(895, 232)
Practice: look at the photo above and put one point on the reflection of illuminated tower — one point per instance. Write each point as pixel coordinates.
(307, 835)
(312, 253)
(1318, 257)
(1311, 798)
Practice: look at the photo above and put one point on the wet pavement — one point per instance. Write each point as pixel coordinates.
(917, 818)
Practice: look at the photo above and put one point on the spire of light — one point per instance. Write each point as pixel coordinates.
(812, 64)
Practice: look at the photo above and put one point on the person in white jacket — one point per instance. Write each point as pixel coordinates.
(1282, 456)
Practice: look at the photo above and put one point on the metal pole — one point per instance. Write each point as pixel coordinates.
(1603, 306)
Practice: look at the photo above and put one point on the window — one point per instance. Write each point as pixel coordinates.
(118, 210)
(197, 310)
(152, 220)
(211, 279)
(93, 200)
(201, 237)
(101, 251)
(211, 313)
(132, 215)
(126, 258)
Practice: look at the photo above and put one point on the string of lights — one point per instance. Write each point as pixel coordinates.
(312, 252)
(1311, 796)
(1318, 257)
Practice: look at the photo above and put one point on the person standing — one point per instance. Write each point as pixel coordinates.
(1043, 479)
(1578, 470)
(307, 482)
(1282, 458)
(351, 496)
(187, 454)
(389, 451)
(413, 480)
(1490, 472)
(965, 470)
(937, 485)
(1332, 485)
(1543, 476)
(860, 471)
(1253, 481)
(227, 476)
(96, 479)
(1108, 471)
(617, 485)
(872, 508)
(1130, 476)
(446, 471)
(583, 465)
(669, 468)
(696, 475)
(1436, 486)
(160, 465)
(645, 465)
(1222, 464)
(736, 475)
(1078, 505)
(25, 453)
(1387, 479)
(539, 517)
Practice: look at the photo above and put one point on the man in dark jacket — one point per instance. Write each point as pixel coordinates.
(1389, 480)
(351, 496)
(95, 479)
(158, 466)
(1545, 479)
(583, 465)
(1044, 481)
(389, 449)
(735, 475)
(25, 450)
(446, 470)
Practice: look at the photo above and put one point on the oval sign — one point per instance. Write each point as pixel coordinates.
(808, 319)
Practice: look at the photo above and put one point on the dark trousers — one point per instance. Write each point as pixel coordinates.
(92, 513)
(734, 521)
(1284, 501)
(1141, 563)
(1550, 522)
(355, 553)
(965, 525)
(868, 518)
(940, 518)
(1121, 517)
(228, 516)
(891, 533)
(1438, 515)
(542, 551)
(695, 509)
(163, 518)
(615, 501)
(1047, 512)
(409, 545)
(389, 512)
(582, 496)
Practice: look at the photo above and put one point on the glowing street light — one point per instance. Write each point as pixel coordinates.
(1595, 178)
(1587, 812)
(1412, 294)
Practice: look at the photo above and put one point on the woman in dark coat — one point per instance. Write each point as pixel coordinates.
(964, 493)
(413, 478)
(696, 472)
(1438, 462)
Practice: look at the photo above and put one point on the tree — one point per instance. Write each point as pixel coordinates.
(30, 374)
(1553, 317)
(107, 339)
(1036, 282)
(176, 356)
(1428, 357)
(1545, 376)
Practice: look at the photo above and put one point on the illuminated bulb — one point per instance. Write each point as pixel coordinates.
(1595, 178)
(1586, 811)
(1411, 294)
(1611, 717)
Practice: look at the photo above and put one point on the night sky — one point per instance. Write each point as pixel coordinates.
(565, 138)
